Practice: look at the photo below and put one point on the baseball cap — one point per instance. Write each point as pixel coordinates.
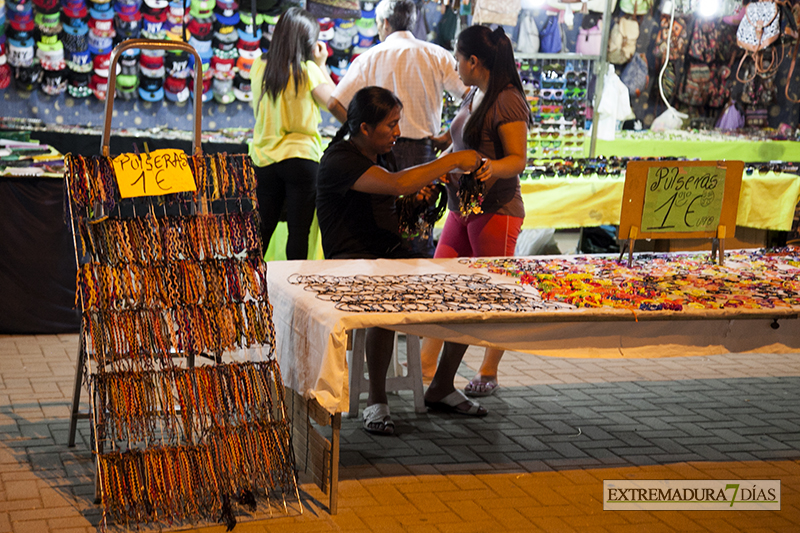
(242, 89)
(129, 66)
(222, 67)
(176, 64)
(78, 84)
(223, 90)
(176, 89)
(20, 53)
(103, 27)
(99, 86)
(201, 27)
(208, 94)
(54, 82)
(48, 23)
(243, 66)
(79, 61)
(151, 89)
(74, 12)
(127, 85)
(27, 77)
(227, 17)
(99, 45)
(325, 29)
(248, 49)
(50, 51)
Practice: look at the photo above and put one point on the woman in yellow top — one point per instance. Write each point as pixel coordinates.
(293, 83)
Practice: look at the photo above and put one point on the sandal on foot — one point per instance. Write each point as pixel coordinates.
(452, 403)
(478, 389)
(377, 420)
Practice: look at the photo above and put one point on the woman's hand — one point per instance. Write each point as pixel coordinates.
(320, 53)
(485, 171)
(469, 160)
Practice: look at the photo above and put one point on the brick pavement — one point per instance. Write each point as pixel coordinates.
(556, 429)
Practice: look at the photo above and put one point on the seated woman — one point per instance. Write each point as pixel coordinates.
(356, 192)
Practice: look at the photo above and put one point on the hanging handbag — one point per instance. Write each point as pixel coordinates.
(622, 41)
(550, 36)
(636, 75)
(703, 46)
(528, 42)
(636, 7)
(590, 40)
(697, 85)
(679, 42)
(759, 28)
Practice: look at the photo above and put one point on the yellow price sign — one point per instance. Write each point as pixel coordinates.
(160, 172)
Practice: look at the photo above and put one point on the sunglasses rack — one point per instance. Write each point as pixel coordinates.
(558, 92)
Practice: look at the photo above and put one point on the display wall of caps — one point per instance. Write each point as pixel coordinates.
(64, 47)
(560, 95)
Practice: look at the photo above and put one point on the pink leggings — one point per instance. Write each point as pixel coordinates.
(486, 235)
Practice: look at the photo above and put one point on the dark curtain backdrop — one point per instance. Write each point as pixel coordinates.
(37, 261)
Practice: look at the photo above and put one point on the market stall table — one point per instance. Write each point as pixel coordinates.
(311, 332)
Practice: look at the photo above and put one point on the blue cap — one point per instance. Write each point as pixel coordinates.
(156, 95)
(76, 27)
(101, 14)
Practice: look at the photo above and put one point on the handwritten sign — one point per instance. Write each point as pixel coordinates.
(683, 199)
(680, 199)
(159, 172)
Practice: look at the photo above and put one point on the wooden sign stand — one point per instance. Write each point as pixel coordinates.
(680, 200)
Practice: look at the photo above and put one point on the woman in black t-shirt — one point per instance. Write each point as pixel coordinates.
(356, 191)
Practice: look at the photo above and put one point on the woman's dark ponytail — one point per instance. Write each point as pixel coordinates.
(494, 50)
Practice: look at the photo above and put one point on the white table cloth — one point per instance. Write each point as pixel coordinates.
(311, 334)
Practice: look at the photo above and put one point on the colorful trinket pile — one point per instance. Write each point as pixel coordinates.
(748, 280)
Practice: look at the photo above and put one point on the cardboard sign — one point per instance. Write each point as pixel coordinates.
(680, 199)
(683, 199)
(159, 172)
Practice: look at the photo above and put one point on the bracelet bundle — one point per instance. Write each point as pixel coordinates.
(470, 194)
(417, 217)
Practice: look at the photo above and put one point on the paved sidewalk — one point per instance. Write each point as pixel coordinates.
(557, 428)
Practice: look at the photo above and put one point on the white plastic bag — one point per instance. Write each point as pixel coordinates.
(671, 119)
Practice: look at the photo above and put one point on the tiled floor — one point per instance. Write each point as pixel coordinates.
(557, 428)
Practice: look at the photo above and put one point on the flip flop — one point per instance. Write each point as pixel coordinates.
(479, 389)
(451, 403)
(377, 420)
